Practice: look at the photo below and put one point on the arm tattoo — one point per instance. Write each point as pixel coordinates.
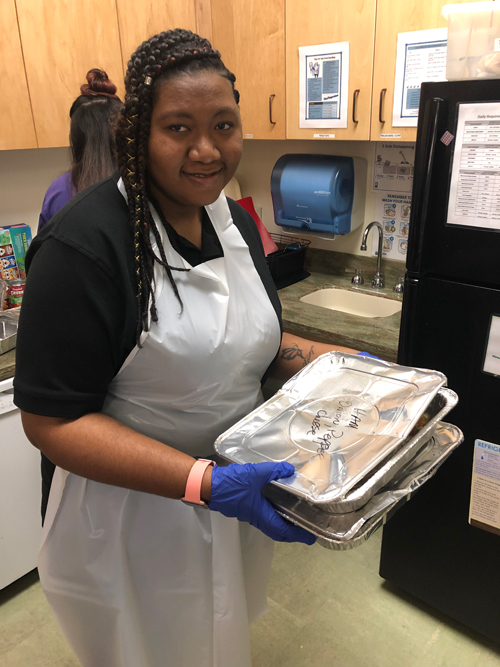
(290, 353)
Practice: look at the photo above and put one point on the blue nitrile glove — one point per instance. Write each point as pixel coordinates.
(237, 492)
(367, 354)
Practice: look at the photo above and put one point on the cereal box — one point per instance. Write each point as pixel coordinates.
(14, 243)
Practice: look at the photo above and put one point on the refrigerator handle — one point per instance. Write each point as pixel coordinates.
(424, 160)
(408, 329)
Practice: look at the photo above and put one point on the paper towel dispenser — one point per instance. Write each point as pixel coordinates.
(319, 193)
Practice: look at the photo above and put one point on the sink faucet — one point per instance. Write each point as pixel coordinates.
(378, 278)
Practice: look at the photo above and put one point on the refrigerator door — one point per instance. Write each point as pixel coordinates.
(457, 252)
(429, 548)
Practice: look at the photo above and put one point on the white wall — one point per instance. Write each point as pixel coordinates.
(254, 176)
(24, 178)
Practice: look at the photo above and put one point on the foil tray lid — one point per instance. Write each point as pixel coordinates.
(335, 421)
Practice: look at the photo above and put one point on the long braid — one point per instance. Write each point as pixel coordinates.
(169, 52)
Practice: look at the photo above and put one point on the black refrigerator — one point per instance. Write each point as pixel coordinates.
(451, 323)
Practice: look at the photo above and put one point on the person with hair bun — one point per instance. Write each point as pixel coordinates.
(92, 141)
(167, 323)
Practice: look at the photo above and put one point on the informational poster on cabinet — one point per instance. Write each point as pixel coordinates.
(394, 167)
(484, 510)
(393, 209)
(474, 199)
(324, 85)
(492, 355)
(421, 56)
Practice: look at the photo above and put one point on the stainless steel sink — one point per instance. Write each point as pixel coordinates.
(354, 303)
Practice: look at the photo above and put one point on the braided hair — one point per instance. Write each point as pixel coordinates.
(164, 55)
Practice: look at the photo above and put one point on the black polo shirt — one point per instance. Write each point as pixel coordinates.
(79, 314)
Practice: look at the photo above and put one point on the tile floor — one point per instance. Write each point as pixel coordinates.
(327, 609)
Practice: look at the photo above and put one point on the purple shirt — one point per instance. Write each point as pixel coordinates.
(58, 195)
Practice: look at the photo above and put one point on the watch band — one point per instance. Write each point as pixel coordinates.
(192, 495)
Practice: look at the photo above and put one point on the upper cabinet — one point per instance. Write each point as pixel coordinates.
(393, 17)
(49, 46)
(330, 21)
(141, 19)
(62, 40)
(16, 127)
(250, 36)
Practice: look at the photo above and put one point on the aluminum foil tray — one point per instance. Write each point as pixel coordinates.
(8, 331)
(346, 531)
(336, 421)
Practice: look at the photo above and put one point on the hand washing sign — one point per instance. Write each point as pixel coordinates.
(392, 210)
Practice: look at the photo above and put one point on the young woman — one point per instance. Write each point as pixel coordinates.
(167, 322)
(92, 142)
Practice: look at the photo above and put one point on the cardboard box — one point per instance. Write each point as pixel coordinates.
(14, 243)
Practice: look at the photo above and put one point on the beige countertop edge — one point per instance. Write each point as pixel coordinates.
(378, 336)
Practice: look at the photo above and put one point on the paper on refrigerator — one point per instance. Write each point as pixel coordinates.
(421, 56)
(324, 85)
(474, 199)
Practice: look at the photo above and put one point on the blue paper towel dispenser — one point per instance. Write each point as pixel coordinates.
(318, 193)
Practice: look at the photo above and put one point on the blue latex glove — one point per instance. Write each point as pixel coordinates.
(237, 492)
(367, 354)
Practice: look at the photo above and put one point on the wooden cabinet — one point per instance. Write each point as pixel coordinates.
(141, 19)
(322, 22)
(16, 120)
(393, 17)
(250, 36)
(62, 40)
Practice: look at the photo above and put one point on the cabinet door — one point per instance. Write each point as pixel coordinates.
(323, 22)
(141, 19)
(16, 120)
(250, 36)
(393, 17)
(62, 40)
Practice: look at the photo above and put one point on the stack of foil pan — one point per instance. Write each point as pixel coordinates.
(353, 427)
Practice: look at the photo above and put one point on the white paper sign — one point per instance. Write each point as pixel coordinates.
(324, 85)
(484, 511)
(492, 357)
(394, 166)
(474, 199)
(421, 56)
(393, 210)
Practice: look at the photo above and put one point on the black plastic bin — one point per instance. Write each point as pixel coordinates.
(287, 263)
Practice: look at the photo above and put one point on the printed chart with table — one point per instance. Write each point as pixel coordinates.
(475, 181)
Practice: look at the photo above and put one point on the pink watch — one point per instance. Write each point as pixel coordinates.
(192, 494)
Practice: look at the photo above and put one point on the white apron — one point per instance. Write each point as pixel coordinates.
(137, 580)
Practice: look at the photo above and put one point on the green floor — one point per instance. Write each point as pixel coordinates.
(327, 609)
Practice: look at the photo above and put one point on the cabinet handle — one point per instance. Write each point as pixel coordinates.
(354, 101)
(382, 98)
(271, 98)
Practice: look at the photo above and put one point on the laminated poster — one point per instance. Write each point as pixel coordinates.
(421, 56)
(394, 167)
(393, 211)
(324, 85)
(484, 509)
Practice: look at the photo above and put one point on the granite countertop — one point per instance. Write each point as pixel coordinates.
(378, 336)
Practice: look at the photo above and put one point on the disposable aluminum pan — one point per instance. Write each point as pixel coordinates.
(444, 401)
(337, 421)
(8, 333)
(346, 531)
